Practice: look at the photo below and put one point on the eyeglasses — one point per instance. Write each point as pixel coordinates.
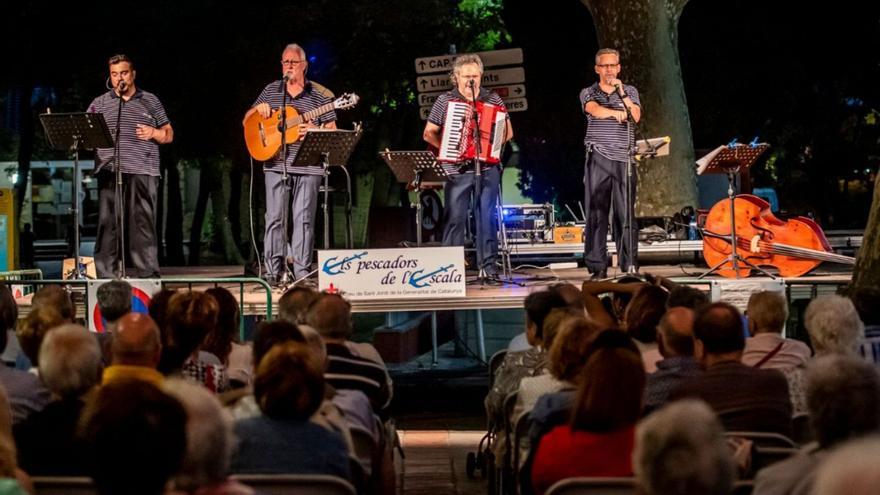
(606, 66)
(292, 62)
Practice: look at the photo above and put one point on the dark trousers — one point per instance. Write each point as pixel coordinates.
(459, 191)
(604, 183)
(138, 209)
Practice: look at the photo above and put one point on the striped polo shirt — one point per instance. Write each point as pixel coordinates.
(349, 371)
(312, 96)
(137, 156)
(438, 116)
(610, 137)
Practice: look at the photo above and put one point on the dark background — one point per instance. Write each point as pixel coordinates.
(803, 79)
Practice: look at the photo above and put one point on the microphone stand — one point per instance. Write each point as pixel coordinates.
(478, 189)
(631, 125)
(120, 207)
(285, 181)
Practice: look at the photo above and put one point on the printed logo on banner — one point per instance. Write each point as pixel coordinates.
(393, 273)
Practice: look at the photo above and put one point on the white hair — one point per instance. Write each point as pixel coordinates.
(680, 449)
(70, 360)
(834, 325)
(851, 469)
(461, 61)
(294, 47)
(208, 435)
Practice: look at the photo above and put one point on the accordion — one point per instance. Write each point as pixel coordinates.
(457, 143)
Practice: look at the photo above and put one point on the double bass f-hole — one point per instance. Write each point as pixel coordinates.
(764, 231)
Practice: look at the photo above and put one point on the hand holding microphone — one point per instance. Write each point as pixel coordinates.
(618, 87)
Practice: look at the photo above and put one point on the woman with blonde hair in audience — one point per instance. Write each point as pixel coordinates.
(599, 438)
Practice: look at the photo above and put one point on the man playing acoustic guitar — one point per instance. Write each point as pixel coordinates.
(303, 95)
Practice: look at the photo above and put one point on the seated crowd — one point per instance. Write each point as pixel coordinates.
(656, 384)
(200, 404)
(651, 383)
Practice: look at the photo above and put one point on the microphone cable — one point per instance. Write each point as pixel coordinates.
(251, 215)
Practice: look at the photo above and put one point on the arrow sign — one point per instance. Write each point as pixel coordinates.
(428, 99)
(494, 77)
(424, 112)
(509, 90)
(443, 63)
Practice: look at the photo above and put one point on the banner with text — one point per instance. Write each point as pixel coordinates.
(412, 273)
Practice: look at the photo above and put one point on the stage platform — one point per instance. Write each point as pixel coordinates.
(508, 295)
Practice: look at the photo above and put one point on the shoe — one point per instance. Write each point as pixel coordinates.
(599, 275)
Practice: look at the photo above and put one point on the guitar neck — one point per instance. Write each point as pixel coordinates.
(309, 116)
(814, 254)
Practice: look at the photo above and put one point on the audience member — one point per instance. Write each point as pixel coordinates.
(159, 306)
(681, 450)
(56, 297)
(851, 470)
(767, 348)
(675, 341)
(294, 304)
(843, 397)
(114, 300)
(685, 296)
(573, 300)
(224, 341)
(25, 392)
(834, 328)
(191, 317)
(135, 351)
(521, 364)
(351, 365)
(209, 443)
(13, 480)
(599, 439)
(289, 388)
(135, 437)
(745, 398)
(70, 366)
(33, 329)
(867, 303)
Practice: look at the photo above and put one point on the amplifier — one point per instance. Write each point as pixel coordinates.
(568, 234)
(528, 223)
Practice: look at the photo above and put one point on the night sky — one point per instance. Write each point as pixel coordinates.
(800, 78)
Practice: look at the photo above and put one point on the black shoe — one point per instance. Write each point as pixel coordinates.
(599, 275)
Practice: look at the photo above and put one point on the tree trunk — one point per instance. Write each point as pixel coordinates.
(867, 269)
(646, 34)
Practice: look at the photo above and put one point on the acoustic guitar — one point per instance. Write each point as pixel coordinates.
(263, 135)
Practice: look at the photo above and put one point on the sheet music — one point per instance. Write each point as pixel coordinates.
(703, 162)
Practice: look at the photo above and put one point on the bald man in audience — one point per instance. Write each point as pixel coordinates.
(745, 398)
(675, 341)
(135, 350)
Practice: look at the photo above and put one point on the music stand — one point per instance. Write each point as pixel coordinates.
(652, 148)
(730, 160)
(327, 148)
(413, 168)
(76, 131)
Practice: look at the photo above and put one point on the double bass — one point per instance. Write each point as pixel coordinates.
(793, 246)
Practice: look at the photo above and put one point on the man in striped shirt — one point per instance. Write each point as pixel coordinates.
(609, 141)
(303, 182)
(467, 74)
(139, 126)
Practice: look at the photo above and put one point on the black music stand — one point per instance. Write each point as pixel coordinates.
(76, 131)
(327, 148)
(415, 168)
(730, 160)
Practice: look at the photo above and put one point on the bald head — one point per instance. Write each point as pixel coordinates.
(676, 332)
(136, 341)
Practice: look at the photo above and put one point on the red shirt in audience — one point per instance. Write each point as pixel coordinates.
(565, 453)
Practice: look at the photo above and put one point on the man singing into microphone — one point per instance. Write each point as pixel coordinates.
(303, 182)
(137, 121)
(608, 140)
(467, 73)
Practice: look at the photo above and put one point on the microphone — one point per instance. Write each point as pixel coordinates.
(471, 83)
(619, 92)
(286, 77)
(121, 85)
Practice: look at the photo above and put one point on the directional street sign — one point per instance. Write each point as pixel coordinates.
(509, 90)
(494, 77)
(424, 112)
(516, 104)
(505, 92)
(443, 63)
